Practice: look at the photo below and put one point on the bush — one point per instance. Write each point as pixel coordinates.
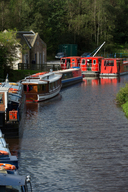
(122, 95)
(125, 108)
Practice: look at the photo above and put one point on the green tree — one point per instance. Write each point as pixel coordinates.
(8, 49)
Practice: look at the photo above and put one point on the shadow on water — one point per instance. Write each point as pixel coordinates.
(77, 141)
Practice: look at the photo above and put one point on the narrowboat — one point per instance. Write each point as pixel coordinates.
(113, 67)
(41, 86)
(90, 66)
(5, 155)
(10, 180)
(11, 99)
(70, 76)
(69, 62)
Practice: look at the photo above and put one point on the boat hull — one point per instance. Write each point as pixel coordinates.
(71, 81)
(90, 74)
(43, 97)
(49, 95)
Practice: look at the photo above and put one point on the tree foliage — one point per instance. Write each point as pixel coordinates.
(87, 23)
(9, 46)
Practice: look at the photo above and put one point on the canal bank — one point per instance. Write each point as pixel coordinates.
(122, 98)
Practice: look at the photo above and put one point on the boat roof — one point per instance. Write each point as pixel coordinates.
(12, 180)
(15, 97)
(113, 58)
(68, 70)
(39, 78)
(91, 57)
(69, 57)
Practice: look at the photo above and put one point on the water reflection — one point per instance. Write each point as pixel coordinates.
(96, 81)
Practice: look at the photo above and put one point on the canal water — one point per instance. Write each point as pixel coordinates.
(77, 141)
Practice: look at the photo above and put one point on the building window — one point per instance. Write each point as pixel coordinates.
(35, 57)
(40, 59)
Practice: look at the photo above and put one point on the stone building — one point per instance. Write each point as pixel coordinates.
(34, 49)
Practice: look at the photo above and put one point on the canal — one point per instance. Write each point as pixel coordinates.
(77, 141)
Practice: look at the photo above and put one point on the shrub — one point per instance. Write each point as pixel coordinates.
(125, 108)
(122, 95)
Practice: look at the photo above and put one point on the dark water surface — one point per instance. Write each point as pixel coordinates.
(77, 141)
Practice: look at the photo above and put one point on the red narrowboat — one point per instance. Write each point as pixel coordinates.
(69, 62)
(113, 67)
(90, 66)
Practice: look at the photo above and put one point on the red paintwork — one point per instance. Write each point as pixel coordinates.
(114, 66)
(91, 63)
(69, 62)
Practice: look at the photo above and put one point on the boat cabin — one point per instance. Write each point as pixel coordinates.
(69, 62)
(3, 98)
(114, 67)
(70, 76)
(41, 86)
(11, 182)
(91, 64)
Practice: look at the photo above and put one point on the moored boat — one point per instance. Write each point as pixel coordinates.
(113, 67)
(11, 98)
(10, 180)
(5, 155)
(90, 66)
(41, 86)
(69, 62)
(70, 76)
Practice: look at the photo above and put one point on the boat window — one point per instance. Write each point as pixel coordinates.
(109, 63)
(119, 62)
(73, 59)
(29, 87)
(58, 82)
(83, 61)
(25, 88)
(1, 98)
(89, 61)
(8, 188)
(62, 61)
(51, 86)
(54, 84)
(64, 76)
(94, 61)
(69, 75)
(43, 87)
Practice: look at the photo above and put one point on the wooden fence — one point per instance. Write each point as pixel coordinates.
(40, 67)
